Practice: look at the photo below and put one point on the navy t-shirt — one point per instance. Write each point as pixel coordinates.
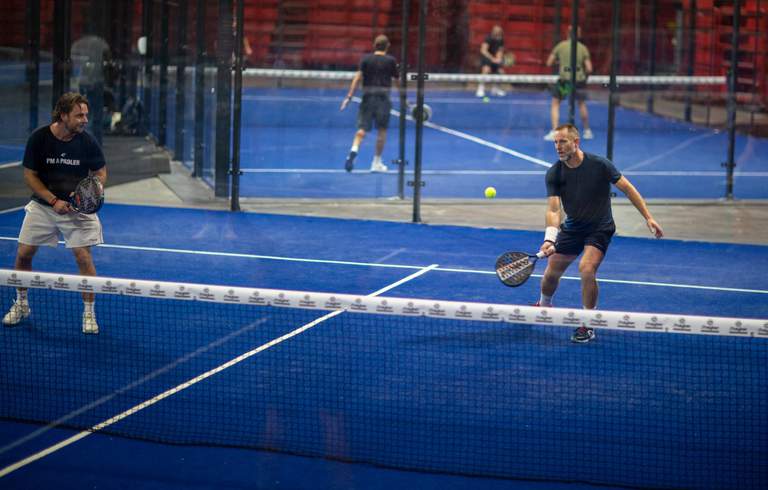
(494, 44)
(585, 191)
(378, 71)
(60, 165)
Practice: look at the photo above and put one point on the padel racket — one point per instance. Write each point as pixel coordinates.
(514, 268)
(88, 196)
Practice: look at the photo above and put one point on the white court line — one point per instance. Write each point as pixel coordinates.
(148, 403)
(11, 210)
(400, 266)
(9, 165)
(678, 147)
(640, 173)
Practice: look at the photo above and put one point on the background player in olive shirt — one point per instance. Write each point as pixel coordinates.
(581, 183)
(561, 54)
(376, 72)
(56, 158)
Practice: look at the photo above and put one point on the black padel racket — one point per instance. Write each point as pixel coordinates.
(514, 268)
(88, 196)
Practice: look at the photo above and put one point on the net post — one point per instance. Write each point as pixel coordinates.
(615, 26)
(238, 98)
(730, 164)
(33, 60)
(162, 123)
(691, 58)
(419, 123)
(403, 99)
(147, 28)
(199, 89)
(223, 99)
(62, 42)
(181, 81)
(652, 55)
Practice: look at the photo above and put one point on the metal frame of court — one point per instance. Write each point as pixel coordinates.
(228, 60)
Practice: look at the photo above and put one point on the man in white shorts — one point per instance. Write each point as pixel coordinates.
(56, 158)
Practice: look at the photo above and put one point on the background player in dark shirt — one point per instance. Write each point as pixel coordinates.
(376, 73)
(56, 158)
(492, 59)
(581, 183)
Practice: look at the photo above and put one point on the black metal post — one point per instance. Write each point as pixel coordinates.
(417, 183)
(33, 60)
(691, 57)
(733, 74)
(652, 55)
(574, 46)
(62, 43)
(236, 122)
(181, 82)
(200, 90)
(224, 54)
(147, 15)
(128, 71)
(401, 162)
(615, 33)
(162, 120)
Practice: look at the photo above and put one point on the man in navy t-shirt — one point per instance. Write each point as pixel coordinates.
(581, 183)
(376, 73)
(56, 158)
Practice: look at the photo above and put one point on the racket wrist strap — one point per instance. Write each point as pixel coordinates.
(53, 201)
(550, 234)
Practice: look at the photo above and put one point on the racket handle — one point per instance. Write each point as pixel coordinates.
(540, 255)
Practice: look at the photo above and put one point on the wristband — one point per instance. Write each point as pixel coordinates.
(54, 201)
(550, 234)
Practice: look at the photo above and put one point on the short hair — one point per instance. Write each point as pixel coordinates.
(67, 103)
(573, 131)
(381, 43)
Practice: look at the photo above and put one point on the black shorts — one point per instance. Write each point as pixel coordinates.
(374, 107)
(562, 90)
(486, 62)
(573, 242)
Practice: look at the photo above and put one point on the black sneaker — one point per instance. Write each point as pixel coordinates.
(350, 161)
(582, 335)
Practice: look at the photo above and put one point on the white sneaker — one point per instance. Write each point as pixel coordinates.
(17, 313)
(588, 134)
(89, 323)
(480, 92)
(377, 166)
(550, 136)
(496, 91)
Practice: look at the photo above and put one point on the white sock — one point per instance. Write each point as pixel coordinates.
(88, 307)
(354, 148)
(545, 300)
(21, 296)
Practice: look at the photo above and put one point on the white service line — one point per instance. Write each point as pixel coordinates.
(148, 403)
(401, 266)
(9, 165)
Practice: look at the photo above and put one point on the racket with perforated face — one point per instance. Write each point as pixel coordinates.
(88, 196)
(514, 268)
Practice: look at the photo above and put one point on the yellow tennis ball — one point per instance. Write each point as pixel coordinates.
(486, 99)
(490, 192)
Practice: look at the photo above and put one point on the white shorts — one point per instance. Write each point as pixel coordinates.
(42, 226)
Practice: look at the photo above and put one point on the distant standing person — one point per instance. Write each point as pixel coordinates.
(90, 53)
(56, 158)
(376, 73)
(492, 60)
(561, 54)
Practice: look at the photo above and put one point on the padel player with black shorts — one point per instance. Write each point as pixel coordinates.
(581, 183)
(56, 158)
(491, 60)
(376, 73)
